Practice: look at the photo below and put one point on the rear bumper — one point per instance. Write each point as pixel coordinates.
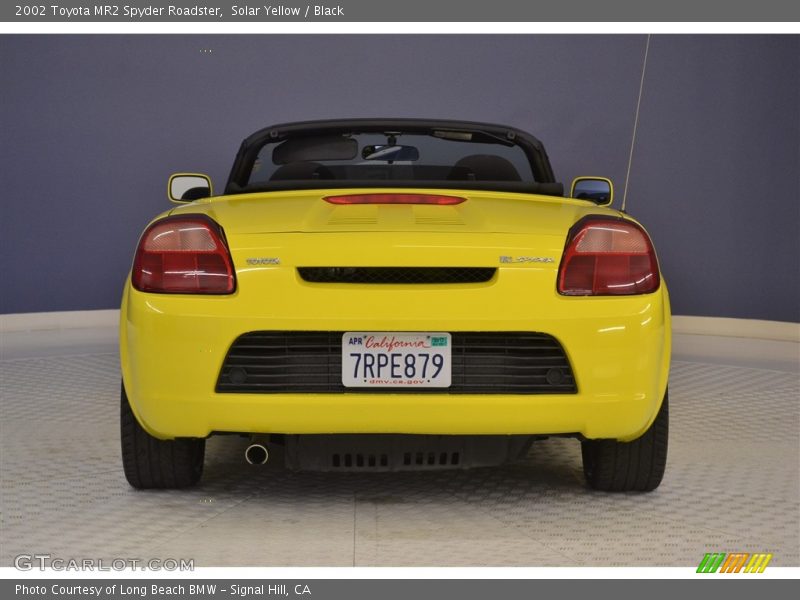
(172, 349)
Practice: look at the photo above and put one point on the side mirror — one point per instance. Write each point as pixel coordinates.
(596, 189)
(186, 187)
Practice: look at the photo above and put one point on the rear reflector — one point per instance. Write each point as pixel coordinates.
(394, 199)
(608, 257)
(183, 255)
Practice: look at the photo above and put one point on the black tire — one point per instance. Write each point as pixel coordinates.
(636, 466)
(150, 463)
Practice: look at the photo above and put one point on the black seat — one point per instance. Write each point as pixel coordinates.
(483, 167)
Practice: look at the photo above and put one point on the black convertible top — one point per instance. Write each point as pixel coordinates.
(544, 183)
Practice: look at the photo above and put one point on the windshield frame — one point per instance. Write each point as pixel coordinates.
(545, 182)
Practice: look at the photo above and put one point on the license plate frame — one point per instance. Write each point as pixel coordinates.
(378, 359)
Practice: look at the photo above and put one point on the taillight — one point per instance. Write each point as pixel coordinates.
(183, 255)
(608, 257)
(394, 199)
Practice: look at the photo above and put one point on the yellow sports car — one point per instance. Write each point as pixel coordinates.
(394, 294)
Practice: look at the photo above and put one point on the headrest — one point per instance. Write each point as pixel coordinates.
(485, 167)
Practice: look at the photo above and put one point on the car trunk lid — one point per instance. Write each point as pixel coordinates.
(308, 212)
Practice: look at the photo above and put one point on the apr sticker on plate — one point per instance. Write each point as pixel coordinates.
(385, 359)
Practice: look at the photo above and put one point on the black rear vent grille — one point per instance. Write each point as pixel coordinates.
(400, 452)
(381, 461)
(304, 362)
(396, 275)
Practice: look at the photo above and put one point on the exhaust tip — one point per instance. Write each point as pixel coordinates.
(256, 454)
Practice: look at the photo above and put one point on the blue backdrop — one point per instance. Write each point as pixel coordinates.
(93, 125)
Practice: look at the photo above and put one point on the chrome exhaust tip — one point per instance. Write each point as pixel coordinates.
(256, 454)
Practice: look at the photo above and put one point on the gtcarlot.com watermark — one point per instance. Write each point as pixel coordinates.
(29, 562)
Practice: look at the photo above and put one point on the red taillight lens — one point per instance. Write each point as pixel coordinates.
(394, 199)
(608, 257)
(183, 255)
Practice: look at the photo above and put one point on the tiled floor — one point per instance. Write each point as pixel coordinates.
(732, 484)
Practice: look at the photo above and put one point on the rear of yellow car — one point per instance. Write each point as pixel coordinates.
(383, 311)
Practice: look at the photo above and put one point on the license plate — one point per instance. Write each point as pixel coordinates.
(401, 360)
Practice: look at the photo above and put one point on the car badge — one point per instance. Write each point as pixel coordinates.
(526, 259)
(267, 260)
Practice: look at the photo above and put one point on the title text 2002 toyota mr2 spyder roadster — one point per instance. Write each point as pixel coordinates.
(394, 294)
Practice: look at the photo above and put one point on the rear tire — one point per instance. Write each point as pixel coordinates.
(151, 463)
(636, 466)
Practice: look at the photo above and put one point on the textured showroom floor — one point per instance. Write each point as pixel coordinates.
(731, 482)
